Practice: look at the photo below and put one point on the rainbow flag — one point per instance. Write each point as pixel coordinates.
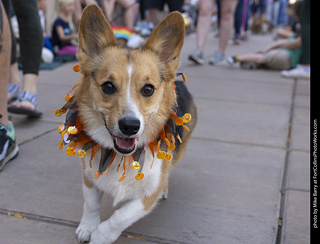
(122, 32)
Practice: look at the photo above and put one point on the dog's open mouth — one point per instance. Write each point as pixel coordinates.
(124, 145)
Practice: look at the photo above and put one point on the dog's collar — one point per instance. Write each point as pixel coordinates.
(76, 138)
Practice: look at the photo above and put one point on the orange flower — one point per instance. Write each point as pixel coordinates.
(139, 176)
(76, 68)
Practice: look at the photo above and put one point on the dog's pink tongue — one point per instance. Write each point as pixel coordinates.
(125, 143)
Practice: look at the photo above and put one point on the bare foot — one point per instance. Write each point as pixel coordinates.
(23, 104)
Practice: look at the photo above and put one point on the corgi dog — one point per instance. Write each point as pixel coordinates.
(125, 99)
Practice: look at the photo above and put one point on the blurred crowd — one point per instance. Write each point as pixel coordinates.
(133, 20)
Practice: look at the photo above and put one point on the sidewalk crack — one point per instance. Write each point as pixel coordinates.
(37, 136)
(282, 194)
(74, 224)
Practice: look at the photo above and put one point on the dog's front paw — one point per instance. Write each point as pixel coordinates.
(84, 232)
(103, 236)
(98, 238)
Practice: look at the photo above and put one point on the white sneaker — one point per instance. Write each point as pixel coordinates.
(218, 59)
(300, 72)
(231, 61)
(135, 41)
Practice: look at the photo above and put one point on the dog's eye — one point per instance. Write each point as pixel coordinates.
(108, 87)
(147, 90)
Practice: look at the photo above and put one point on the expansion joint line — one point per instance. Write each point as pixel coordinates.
(37, 136)
(62, 222)
(285, 168)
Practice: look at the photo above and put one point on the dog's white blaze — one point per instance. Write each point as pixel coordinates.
(132, 108)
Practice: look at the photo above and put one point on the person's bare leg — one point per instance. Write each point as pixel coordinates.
(31, 42)
(107, 7)
(30, 85)
(131, 8)
(5, 52)
(14, 77)
(284, 33)
(8, 147)
(203, 24)
(226, 23)
(14, 74)
(156, 16)
(251, 57)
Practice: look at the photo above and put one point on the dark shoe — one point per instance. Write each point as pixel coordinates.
(248, 65)
(197, 57)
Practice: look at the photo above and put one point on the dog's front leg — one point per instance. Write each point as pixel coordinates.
(91, 212)
(109, 230)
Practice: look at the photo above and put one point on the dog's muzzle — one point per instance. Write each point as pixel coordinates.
(129, 127)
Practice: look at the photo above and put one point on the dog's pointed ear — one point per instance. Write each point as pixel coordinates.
(167, 38)
(95, 32)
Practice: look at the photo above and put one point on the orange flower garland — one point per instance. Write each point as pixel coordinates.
(72, 133)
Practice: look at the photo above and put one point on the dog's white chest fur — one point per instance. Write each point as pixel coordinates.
(129, 188)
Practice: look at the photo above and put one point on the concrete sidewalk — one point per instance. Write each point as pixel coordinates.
(244, 178)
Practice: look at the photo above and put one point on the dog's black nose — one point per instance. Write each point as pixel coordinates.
(129, 126)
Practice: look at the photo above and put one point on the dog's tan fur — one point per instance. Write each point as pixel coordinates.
(101, 60)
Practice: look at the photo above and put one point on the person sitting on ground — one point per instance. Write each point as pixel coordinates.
(64, 40)
(292, 29)
(47, 49)
(280, 55)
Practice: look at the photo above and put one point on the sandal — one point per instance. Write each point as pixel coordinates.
(26, 96)
(13, 89)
